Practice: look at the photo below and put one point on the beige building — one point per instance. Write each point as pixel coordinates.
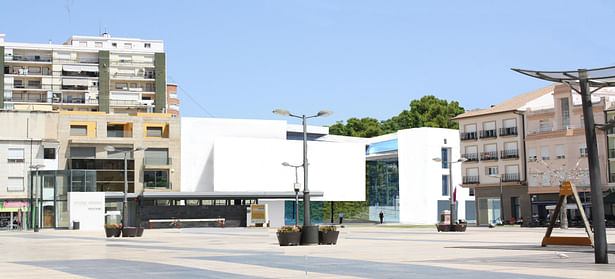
(69, 149)
(557, 150)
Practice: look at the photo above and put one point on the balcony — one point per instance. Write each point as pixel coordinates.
(28, 58)
(468, 136)
(510, 131)
(156, 161)
(471, 180)
(511, 177)
(509, 154)
(488, 134)
(472, 157)
(486, 156)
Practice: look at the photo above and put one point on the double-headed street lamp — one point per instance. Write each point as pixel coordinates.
(310, 233)
(110, 148)
(449, 164)
(498, 176)
(297, 187)
(33, 217)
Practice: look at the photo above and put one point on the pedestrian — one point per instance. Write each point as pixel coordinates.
(341, 215)
(381, 215)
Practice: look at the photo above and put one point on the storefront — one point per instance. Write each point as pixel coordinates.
(13, 214)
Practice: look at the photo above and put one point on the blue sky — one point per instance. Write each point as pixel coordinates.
(242, 59)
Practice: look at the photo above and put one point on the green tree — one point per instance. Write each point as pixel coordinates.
(429, 111)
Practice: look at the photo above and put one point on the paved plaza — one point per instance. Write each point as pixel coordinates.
(362, 252)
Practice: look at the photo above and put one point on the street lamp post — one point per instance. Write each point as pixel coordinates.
(310, 233)
(33, 218)
(297, 187)
(110, 148)
(498, 176)
(450, 182)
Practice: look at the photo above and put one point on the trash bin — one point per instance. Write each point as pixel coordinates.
(75, 225)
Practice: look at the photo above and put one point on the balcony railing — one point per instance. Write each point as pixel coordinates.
(28, 58)
(509, 154)
(471, 180)
(510, 131)
(486, 156)
(21, 86)
(488, 134)
(157, 161)
(472, 157)
(468, 136)
(511, 177)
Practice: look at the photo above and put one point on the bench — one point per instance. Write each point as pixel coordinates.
(176, 222)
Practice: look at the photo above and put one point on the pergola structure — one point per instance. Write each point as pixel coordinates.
(580, 81)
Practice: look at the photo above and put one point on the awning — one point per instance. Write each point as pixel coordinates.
(74, 81)
(79, 68)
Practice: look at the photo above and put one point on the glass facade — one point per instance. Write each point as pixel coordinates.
(384, 146)
(316, 212)
(383, 189)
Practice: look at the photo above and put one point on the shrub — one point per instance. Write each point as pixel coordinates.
(327, 228)
(113, 226)
(289, 229)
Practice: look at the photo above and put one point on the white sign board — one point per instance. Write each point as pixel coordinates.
(88, 209)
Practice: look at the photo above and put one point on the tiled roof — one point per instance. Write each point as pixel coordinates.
(509, 105)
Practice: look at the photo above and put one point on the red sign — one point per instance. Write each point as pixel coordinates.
(15, 204)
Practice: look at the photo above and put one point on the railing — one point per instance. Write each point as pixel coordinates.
(510, 131)
(157, 161)
(488, 134)
(486, 156)
(130, 102)
(131, 75)
(24, 72)
(468, 136)
(29, 86)
(511, 177)
(471, 180)
(75, 61)
(472, 157)
(74, 87)
(28, 58)
(509, 154)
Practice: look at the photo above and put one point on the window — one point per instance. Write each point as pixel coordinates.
(127, 45)
(546, 179)
(444, 158)
(125, 59)
(116, 131)
(157, 156)
(545, 126)
(78, 130)
(83, 152)
(559, 151)
(582, 150)
(531, 154)
(34, 70)
(445, 185)
(148, 45)
(83, 44)
(49, 153)
(15, 184)
(533, 180)
(114, 44)
(544, 153)
(156, 179)
(63, 55)
(16, 155)
(154, 131)
(565, 113)
(471, 192)
(98, 44)
(491, 170)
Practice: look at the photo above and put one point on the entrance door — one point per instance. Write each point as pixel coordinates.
(48, 214)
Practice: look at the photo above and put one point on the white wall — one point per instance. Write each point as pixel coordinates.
(420, 178)
(275, 212)
(88, 208)
(198, 135)
(254, 164)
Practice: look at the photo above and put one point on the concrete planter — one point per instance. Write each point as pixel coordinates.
(129, 232)
(451, 228)
(328, 237)
(140, 231)
(289, 238)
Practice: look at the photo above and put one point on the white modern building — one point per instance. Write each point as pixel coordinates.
(246, 156)
(407, 185)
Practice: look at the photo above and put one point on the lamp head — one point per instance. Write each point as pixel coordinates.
(462, 159)
(286, 164)
(281, 112)
(297, 187)
(109, 148)
(324, 113)
(437, 159)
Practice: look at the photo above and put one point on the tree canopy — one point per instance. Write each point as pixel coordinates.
(428, 111)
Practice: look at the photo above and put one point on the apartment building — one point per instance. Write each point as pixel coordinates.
(60, 152)
(85, 73)
(172, 99)
(493, 141)
(557, 150)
